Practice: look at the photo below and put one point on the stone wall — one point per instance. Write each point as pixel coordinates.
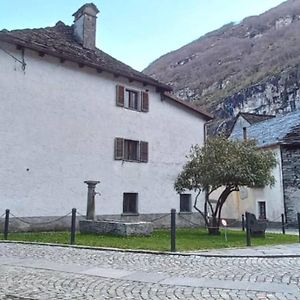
(291, 181)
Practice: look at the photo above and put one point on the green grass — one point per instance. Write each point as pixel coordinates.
(187, 240)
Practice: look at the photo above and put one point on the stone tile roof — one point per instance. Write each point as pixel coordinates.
(279, 130)
(254, 118)
(58, 41)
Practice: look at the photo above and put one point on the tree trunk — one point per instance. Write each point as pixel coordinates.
(213, 227)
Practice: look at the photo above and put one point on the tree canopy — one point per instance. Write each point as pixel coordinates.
(227, 164)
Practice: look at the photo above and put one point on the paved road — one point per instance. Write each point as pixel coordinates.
(44, 272)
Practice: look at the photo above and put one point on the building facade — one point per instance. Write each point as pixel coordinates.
(71, 113)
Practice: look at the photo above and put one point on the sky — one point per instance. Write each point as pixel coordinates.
(136, 31)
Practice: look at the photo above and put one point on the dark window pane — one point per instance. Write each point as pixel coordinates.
(262, 210)
(131, 99)
(185, 203)
(131, 150)
(130, 203)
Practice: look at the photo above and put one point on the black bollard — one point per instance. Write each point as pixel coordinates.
(173, 230)
(298, 216)
(282, 224)
(73, 226)
(6, 223)
(243, 222)
(248, 237)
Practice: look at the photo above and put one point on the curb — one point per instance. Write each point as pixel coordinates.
(141, 251)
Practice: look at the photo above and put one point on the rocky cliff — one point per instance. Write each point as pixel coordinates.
(251, 66)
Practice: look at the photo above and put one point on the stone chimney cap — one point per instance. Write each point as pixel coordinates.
(88, 8)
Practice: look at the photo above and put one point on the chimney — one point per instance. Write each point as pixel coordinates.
(85, 25)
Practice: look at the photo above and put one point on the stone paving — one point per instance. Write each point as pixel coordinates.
(47, 272)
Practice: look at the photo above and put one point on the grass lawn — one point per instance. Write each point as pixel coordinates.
(186, 240)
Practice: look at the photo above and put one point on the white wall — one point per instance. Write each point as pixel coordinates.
(57, 128)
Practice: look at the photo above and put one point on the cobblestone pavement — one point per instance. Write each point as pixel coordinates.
(45, 272)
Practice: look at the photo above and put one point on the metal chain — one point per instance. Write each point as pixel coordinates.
(79, 214)
(160, 217)
(195, 224)
(41, 223)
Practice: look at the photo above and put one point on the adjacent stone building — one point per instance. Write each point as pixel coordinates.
(282, 136)
(71, 113)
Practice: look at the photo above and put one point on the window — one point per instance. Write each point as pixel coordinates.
(131, 150)
(185, 203)
(130, 203)
(132, 99)
(262, 210)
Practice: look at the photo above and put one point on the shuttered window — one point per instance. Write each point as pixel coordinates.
(143, 151)
(119, 148)
(120, 95)
(145, 101)
(132, 99)
(130, 150)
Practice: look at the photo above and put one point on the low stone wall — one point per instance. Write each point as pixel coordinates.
(116, 227)
(56, 223)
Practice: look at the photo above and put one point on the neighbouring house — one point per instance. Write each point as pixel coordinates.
(71, 113)
(282, 136)
(245, 120)
(242, 119)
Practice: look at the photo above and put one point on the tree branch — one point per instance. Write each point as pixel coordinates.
(198, 210)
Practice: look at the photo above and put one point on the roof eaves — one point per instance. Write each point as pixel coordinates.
(194, 108)
(14, 40)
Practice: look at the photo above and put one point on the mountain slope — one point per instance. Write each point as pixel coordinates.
(235, 58)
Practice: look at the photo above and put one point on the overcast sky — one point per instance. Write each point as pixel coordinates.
(136, 31)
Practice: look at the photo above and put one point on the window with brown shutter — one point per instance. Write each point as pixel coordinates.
(132, 99)
(145, 101)
(119, 148)
(120, 95)
(143, 151)
(130, 150)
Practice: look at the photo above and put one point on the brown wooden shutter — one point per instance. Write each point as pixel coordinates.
(144, 151)
(145, 101)
(120, 95)
(119, 148)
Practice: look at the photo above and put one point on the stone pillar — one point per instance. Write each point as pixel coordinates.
(90, 211)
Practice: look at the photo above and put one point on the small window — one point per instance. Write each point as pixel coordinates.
(131, 150)
(131, 99)
(262, 210)
(185, 203)
(130, 203)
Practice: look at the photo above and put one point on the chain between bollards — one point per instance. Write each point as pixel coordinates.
(73, 226)
(248, 237)
(173, 230)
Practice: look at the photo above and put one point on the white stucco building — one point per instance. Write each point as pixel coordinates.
(71, 113)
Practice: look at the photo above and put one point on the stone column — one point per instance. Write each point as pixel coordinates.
(90, 211)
